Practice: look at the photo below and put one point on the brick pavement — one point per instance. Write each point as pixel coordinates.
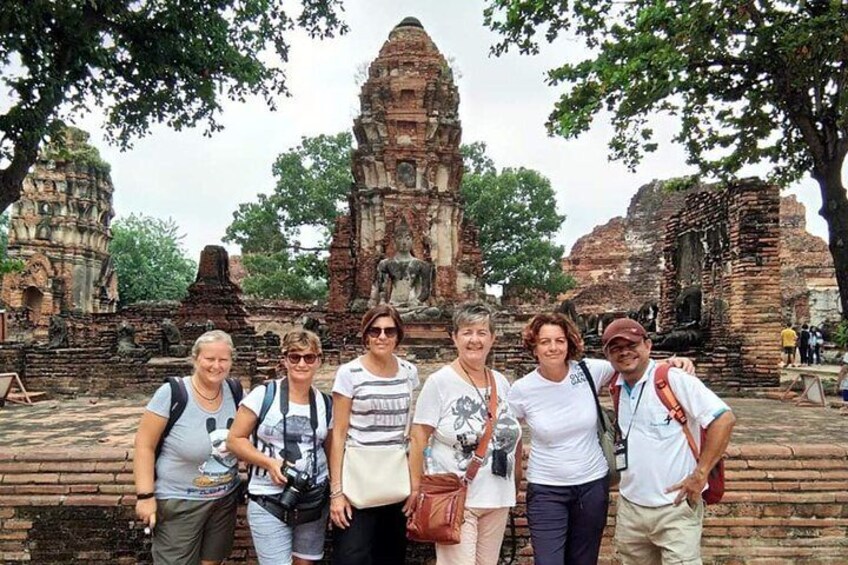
(91, 422)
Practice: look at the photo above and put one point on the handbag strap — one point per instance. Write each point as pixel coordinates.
(480, 452)
(585, 369)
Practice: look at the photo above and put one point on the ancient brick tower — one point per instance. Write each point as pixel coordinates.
(60, 230)
(407, 170)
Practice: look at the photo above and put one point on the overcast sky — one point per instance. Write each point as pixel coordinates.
(200, 181)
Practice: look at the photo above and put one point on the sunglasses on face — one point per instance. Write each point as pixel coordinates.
(374, 331)
(294, 358)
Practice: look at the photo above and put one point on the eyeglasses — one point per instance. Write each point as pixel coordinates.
(294, 358)
(375, 332)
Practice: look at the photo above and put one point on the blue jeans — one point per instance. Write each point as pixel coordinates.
(567, 522)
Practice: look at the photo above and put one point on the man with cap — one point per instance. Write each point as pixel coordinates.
(660, 510)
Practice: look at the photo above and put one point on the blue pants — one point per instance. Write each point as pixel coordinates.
(567, 522)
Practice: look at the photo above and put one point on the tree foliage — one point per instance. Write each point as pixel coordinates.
(150, 260)
(141, 62)
(749, 81)
(515, 211)
(7, 265)
(312, 184)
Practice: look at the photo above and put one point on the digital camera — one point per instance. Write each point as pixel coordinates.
(297, 483)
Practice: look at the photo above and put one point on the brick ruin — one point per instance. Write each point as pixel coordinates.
(60, 230)
(744, 251)
(407, 170)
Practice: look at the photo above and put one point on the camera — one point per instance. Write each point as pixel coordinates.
(297, 482)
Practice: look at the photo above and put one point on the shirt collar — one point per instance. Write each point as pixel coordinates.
(649, 374)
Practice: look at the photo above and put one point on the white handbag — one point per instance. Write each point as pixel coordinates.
(377, 475)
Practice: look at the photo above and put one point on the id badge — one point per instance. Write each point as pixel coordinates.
(620, 451)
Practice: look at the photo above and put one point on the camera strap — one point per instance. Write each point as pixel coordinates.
(313, 421)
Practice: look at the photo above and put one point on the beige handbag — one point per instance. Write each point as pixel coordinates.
(377, 475)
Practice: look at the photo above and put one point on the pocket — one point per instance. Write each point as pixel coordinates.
(662, 426)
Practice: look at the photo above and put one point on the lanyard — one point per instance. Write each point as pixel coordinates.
(633, 414)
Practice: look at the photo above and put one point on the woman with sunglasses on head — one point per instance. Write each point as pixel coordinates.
(453, 416)
(372, 397)
(288, 463)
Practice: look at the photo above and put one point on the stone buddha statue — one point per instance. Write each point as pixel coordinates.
(403, 280)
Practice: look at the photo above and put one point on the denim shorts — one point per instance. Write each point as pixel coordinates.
(276, 542)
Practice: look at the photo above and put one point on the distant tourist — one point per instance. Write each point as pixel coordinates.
(804, 344)
(453, 418)
(788, 340)
(289, 479)
(660, 509)
(816, 344)
(372, 399)
(185, 478)
(843, 381)
(567, 474)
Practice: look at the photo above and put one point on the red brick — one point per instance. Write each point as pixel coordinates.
(41, 489)
(85, 478)
(17, 524)
(37, 478)
(92, 500)
(18, 467)
(69, 466)
(821, 451)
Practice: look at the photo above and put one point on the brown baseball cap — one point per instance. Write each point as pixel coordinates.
(625, 328)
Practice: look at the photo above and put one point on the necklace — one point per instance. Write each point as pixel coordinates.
(483, 399)
(200, 394)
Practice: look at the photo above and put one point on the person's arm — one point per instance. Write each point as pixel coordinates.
(519, 461)
(239, 444)
(150, 429)
(340, 510)
(715, 444)
(683, 363)
(419, 437)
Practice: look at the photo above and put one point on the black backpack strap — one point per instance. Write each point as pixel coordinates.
(585, 369)
(267, 400)
(179, 400)
(328, 408)
(236, 389)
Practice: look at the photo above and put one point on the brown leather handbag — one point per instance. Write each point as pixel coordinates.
(440, 507)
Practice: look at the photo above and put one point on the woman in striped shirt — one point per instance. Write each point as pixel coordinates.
(372, 396)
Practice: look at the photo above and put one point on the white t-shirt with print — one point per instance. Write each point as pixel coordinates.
(380, 405)
(563, 421)
(658, 455)
(452, 406)
(296, 446)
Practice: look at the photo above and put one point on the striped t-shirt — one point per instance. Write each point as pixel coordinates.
(380, 406)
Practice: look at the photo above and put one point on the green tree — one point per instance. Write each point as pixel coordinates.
(515, 211)
(750, 81)
(150, 260)
(141, 61)
(7, 265)
(312, 184)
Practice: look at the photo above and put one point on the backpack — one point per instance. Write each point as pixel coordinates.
(715, 478)
(179, 401)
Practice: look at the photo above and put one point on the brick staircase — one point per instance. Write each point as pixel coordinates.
(785, 504)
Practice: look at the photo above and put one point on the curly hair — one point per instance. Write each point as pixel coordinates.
(301, 340)
(530, 333)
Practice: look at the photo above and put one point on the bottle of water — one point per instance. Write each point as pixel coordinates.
(431, 467)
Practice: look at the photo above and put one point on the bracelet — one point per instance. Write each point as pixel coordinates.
(145, 495)
(336, 493)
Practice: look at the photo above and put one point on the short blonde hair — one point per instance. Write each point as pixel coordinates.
(213, 336)
(303, 340)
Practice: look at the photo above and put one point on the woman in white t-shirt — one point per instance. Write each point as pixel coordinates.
(372, 396)
(289, 453)
(567, 474)
(450, 417)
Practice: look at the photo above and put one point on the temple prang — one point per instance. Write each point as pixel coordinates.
(407, 171)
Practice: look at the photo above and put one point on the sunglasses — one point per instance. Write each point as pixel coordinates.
(374, 331)
(294, 358)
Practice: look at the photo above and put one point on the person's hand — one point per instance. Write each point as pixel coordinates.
(145, 510)
(689, 488)
(411, 502)
(683, 363)
(340, 511)
(275, 471)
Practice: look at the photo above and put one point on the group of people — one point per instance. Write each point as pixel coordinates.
(294, 438)
(809, 342)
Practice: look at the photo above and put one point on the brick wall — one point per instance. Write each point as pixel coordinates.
(785, 504)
